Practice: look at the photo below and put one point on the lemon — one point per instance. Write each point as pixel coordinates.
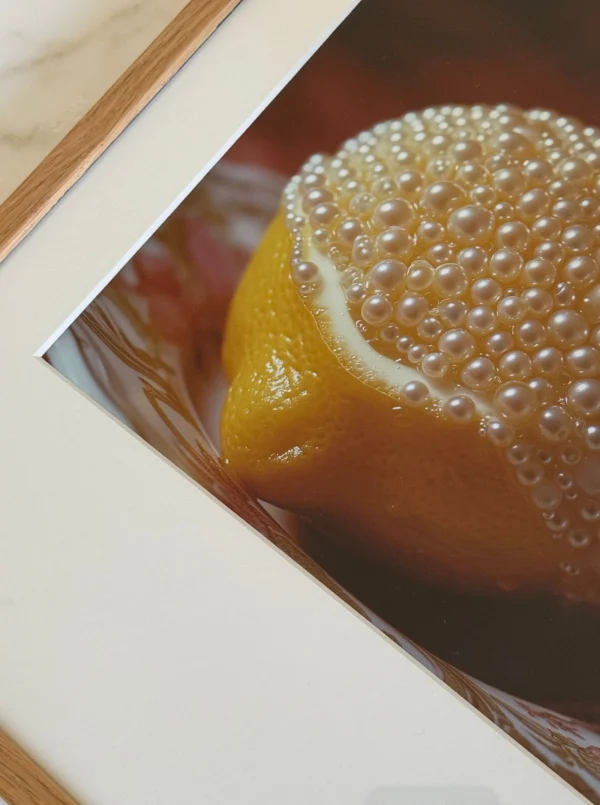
(412, 359)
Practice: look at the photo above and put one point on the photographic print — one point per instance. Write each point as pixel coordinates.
(373, 332)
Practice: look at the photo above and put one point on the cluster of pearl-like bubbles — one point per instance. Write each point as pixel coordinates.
(466, 242)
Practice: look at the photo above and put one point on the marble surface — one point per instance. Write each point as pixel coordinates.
(57, 58)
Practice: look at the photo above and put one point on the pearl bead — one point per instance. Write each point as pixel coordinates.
(450, 280)
(515, 365)
(513, 235)
(459, 409)
(453, 312)
(592, 437)
(573, 169)
(581, 271)
(411, 309)
(531, 334)
(471, 224)
(538, 169)
(564, 295)
(515, 401)
(542, 388)
(539, 300)
(509, 181)
(518, 453)
(356, 293)
(591, 305)
(441, 197)
(393, 212)
(551, 251)
(584, 361)
(499, 433)
(435, 365)
(416, 353)
(363, 251)
(395, 242)
(457, 344)
(539, 273)
(546, 496)
(429, 329)
(548, 362)
(505, 265)
(548, 226)
(485, 291)
(348, 230)
(565, 209)
(430, 232)
(571, 455)
(555, 424)
(481, 320)
(473, 259)
(533, 202)
(387, 274)
(305, 272)
(404, 343)
(498, 343)
(415, 393)
(578, 238)
(530, 473)
(512, 309)
(420, 275)
(376, 310)
(389, 333)
(568, 328)
(583, 398)
(362, 204)
(314, 197)
(410, 183)
(479, 374)
(323, 214)
(440, 253)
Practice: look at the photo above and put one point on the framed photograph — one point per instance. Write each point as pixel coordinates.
(301, 421)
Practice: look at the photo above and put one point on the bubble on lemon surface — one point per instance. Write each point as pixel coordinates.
(463, 243)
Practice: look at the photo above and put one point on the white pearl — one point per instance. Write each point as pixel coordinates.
(515, 401)
(459, 409)
(440, 253)
(410, 183)
(323, 214)
(539, 272)
(393, 212)
(499, 433)
(441, 197)
(542, 388)
(356, 293)
(592, 437)
(578, 238)
(314, 197)
(481, 320)
(450, 280)
(581, 271)
(548, 362)
(512, 309)
(551, 251)
(584, 361)
(539, 300)
(548, 226)
(591, 305)
(404, 343)
(420, 275)
(457, 344)
(389, 333)
(530, 473)
(485, 291)
(411, 309)
(518, 453)
(473, 259)
(395, 242)
(513, 235)
(564, 295)
(505, 265)
(546, 496)
(416, 353)
(435, 364)
(387, 274)
(555, 424)
(305, 272)
(479, 374)
(498, 343)
(362, 204)
(376, 310)
(533, 202)
(509, 181)
(349, 230)
(568, 328)
(453, 312)
(471, 224)
(583, 398)
(430, 232)
(515, 365)
(430, 329)
(531, 334)
(363, 251)
(415, 393)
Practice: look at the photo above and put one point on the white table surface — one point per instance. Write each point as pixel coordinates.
(57, 58)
